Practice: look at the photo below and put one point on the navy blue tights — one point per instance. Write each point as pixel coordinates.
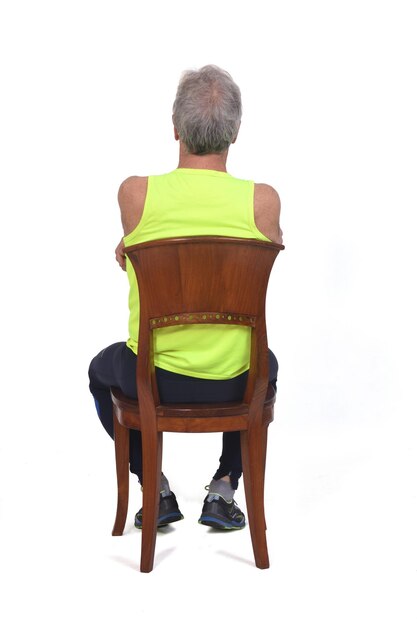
(115, 366)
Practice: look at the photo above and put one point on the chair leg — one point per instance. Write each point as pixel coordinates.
(253, 444)
(152, 465)
(264, 442)
(121, 444)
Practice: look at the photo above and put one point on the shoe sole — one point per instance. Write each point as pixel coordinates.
(207, 520)
(164, 521)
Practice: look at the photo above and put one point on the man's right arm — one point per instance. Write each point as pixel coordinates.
(131, 198)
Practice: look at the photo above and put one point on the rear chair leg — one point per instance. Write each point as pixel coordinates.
(253, 460)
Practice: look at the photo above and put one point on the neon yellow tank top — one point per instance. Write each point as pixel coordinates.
(186, 203)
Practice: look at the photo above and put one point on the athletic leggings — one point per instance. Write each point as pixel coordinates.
(115, 366)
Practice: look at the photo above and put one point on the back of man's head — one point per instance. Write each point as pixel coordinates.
(207, 110)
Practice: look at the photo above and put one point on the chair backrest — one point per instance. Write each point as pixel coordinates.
(203, 280)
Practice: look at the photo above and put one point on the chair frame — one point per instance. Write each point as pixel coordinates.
(216, 280)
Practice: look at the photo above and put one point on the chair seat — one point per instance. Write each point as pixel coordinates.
(224, 417)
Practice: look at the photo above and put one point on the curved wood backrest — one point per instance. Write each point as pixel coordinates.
(200, 280)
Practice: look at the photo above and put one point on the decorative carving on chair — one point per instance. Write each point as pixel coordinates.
(206, 317)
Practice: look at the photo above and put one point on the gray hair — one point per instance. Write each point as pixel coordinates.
(207, 110)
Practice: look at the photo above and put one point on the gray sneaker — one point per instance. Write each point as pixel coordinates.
(220, 514)
(168, 512)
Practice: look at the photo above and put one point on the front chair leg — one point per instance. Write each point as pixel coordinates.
(121, 445)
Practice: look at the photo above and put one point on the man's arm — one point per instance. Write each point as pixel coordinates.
(267, 209)
(131, 198)
(120, 257)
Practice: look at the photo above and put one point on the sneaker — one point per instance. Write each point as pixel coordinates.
(168, 512)
(220, 514)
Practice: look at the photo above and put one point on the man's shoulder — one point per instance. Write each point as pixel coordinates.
(133, 183)
(267, 209)
(266, 195)
(132, 189)
(131, 197)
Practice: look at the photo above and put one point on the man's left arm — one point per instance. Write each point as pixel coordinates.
(267, 210)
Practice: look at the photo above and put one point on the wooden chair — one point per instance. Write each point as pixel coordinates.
(198, 280)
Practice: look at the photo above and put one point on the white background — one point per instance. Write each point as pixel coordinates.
(329, 120)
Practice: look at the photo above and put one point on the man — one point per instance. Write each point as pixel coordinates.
(193, 363)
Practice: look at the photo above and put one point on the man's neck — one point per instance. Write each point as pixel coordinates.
(202, 162)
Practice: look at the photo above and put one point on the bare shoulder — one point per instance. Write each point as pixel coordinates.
(131, 198)
(267, 210)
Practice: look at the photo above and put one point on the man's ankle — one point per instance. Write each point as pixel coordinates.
(221, 488)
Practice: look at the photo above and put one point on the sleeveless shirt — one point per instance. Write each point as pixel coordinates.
(186, 203)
